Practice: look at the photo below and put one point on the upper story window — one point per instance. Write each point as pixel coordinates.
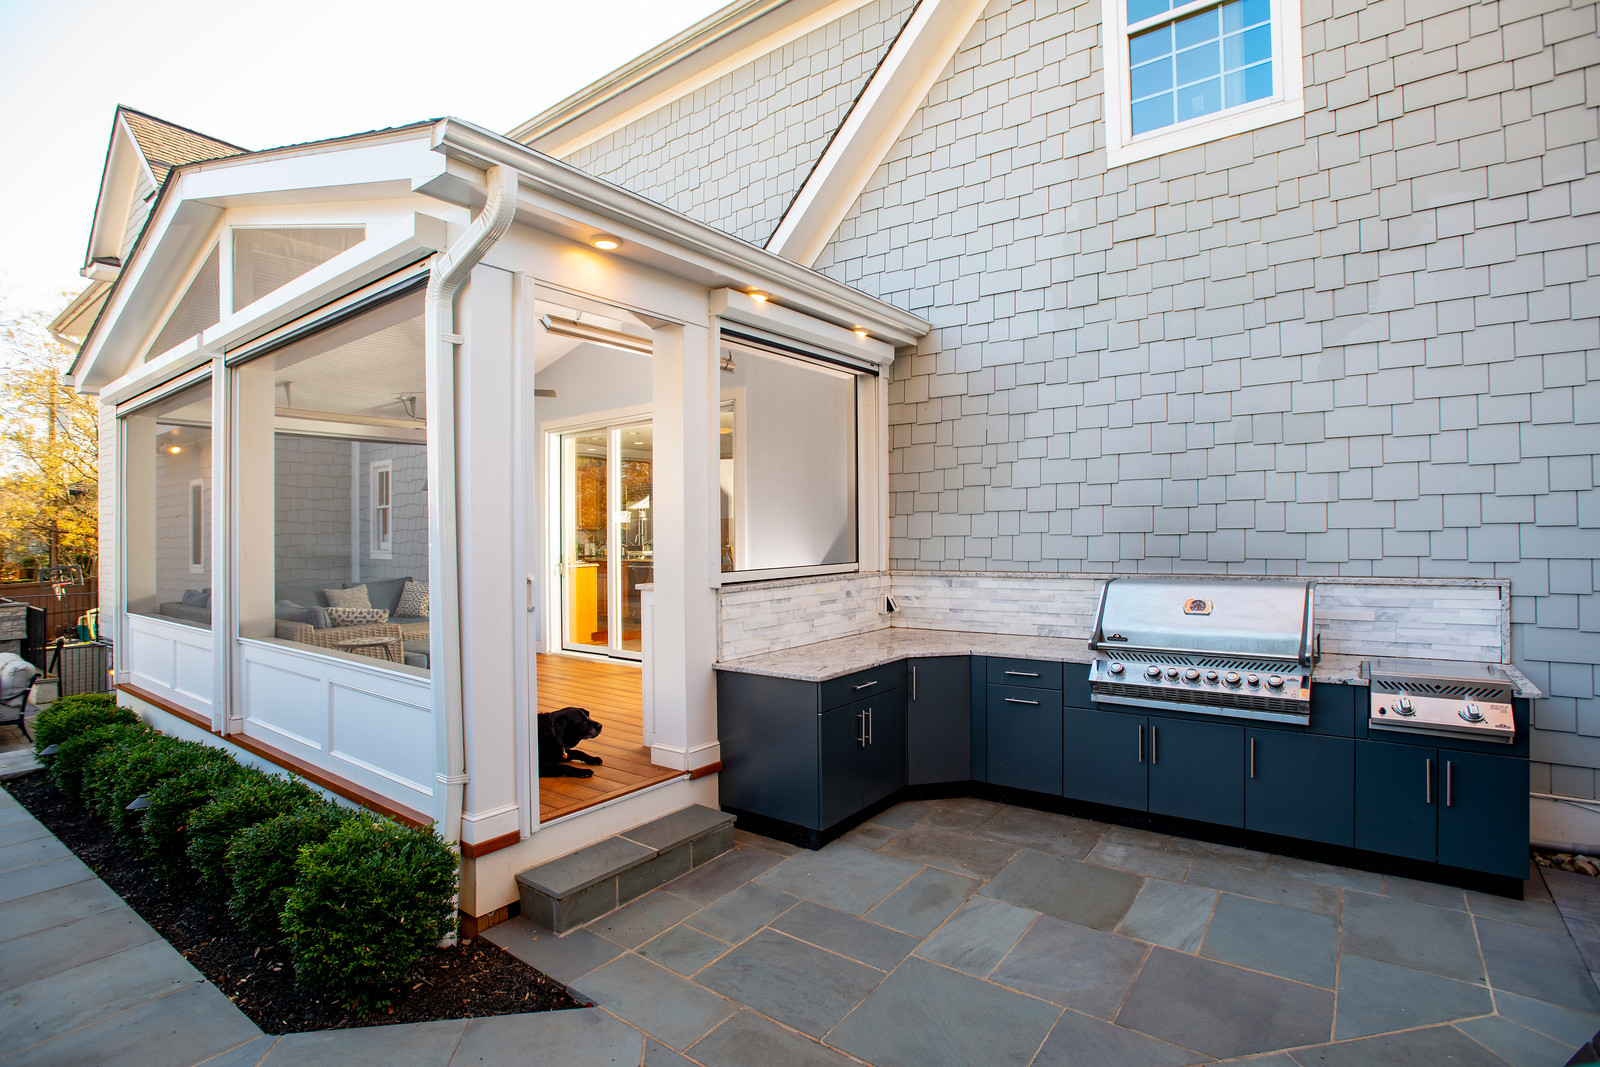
(1180, 74)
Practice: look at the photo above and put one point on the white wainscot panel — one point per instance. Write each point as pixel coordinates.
(370, 725)
(172, 661)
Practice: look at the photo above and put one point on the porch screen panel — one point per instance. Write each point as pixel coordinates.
(788, 462)
(198, 309)
(348, 516)
(270, 257)
(167, 507)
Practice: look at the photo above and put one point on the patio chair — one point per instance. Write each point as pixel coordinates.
(378, 640)
(17, 676)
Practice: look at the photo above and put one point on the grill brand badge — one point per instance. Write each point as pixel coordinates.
(1196, 606)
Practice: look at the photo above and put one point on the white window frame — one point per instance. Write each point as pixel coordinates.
(197, 533)
(1286, 102)
(381, 547)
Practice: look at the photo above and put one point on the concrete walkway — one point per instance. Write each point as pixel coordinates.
(948, 932)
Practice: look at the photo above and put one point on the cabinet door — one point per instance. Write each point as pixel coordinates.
(1395, 794)
(1197, 770)
(841, 737)
(1300, 785)
(938, 720)
(1024, 738)
(883, 757)
(1104, 757)
(1483, 823)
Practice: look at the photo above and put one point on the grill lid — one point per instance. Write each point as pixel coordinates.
(1263, 618)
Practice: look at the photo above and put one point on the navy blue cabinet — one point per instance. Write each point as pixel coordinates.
(1024, 730)
(1462, 809)
(1103, 757)
(1197, 770)
(938, 720)
(1300, 785)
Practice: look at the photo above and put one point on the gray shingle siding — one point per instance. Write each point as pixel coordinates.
(1364, 342)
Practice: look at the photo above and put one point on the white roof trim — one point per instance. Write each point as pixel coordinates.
(745, 310)
(718, 45)
(894, 93)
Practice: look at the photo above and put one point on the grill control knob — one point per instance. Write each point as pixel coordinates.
(1116, 670)
(1231, 680)
(1172, 672)
(1274, 682)
(1405, 708)
(1191, 675)
(1471, 713)
(1253, 681)
(1152, 673)
(1211, 677)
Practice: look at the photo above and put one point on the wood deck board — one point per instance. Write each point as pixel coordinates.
(614, 695)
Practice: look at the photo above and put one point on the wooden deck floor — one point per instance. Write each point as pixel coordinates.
(614, 696)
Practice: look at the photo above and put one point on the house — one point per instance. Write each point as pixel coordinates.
(825, 301)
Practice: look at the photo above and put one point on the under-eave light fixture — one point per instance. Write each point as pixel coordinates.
(861, 333)
(758, 296)
(605, 242)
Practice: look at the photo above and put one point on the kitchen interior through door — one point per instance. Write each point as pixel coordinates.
(607, 543)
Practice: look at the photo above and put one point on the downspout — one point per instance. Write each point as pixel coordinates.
(451, 269)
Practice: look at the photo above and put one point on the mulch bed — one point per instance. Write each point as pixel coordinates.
(470, 980)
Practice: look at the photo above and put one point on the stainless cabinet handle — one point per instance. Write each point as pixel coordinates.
(869, 726)
(1152, 744)
(1430, 782)
(1141, 742)
(1252, 757)
(863, 685)
(1449, 783)
(1022, 674)
(861, 729)
(913, 681)
(1014, 700)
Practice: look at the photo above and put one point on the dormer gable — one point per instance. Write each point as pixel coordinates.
(142, 152)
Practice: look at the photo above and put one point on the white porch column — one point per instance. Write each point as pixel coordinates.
(684, 496)
(489, 589)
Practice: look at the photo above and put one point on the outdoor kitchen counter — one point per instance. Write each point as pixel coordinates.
(825, 660)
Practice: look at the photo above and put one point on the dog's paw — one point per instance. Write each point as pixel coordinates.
(584, 757)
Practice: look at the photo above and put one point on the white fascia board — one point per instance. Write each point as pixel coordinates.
(383, 167)
(117, 182)
(742, 308)
(145, 376)
(550, 186)
(894, 93)
(717, 46)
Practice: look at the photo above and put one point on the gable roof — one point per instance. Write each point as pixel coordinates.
(165, 145)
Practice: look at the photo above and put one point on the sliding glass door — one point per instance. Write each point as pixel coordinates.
(607, 543)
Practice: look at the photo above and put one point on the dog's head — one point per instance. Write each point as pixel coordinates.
(572, 725)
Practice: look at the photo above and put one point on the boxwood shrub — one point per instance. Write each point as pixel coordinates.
(262, 862)
(112, 781)
(368, 903)
(73, 715)
(168, 822)
(77, 751)
(253, 797)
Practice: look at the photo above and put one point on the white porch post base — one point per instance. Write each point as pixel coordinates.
(681, 759)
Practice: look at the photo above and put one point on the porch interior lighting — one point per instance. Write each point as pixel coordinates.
(605, 242)
(174, 449)
(599, 335)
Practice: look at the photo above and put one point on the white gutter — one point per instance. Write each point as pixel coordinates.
(449, 271)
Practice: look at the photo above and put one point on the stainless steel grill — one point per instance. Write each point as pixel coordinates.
(1242, 649)
(1441, 697)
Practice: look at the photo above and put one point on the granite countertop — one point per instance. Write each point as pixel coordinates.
(825, 660)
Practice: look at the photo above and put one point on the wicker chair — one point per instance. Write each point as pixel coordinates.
(387, 633)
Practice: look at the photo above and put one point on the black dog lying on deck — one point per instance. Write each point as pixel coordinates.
(558, 732)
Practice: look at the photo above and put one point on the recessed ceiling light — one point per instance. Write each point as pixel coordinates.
(175, 449)
(861, 333)
(605, 242)
(758, 296)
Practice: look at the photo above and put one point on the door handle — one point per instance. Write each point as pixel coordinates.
(1014, 700)
(913, 681)
(530, 592)
(1141, 742)
(1152, 744)
(1252, 757)
(1449, 783)
(1430, 782)
(863, 685)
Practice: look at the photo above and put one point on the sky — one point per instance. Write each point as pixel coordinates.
(259, 76)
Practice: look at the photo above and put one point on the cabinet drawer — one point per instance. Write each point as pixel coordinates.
(1024, 738)
(1039, 674)
(858, 686)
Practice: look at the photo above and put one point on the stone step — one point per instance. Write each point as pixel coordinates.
(565, 893)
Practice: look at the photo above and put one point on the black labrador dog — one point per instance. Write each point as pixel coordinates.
(558, 732)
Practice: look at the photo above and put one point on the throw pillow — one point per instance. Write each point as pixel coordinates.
(354, 597)
(356, 616)
(413, 600)
(288, 609)
(197, 598)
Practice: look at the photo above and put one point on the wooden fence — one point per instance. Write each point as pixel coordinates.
(60, 614)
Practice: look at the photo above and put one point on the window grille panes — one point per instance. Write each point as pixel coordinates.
(788, 462)
(198, 310)
(1198, 64)
(268, 258)
(167, 516)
